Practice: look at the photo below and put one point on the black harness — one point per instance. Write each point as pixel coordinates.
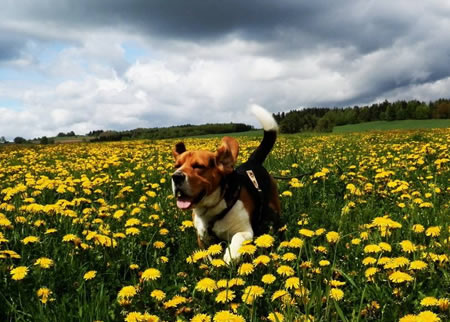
(256, 180)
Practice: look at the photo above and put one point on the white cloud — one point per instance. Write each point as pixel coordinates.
(75, 75)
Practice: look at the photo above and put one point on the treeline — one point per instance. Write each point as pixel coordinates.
(169, 132)
(324, 119)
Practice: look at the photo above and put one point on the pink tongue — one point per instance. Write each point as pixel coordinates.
(183, 204)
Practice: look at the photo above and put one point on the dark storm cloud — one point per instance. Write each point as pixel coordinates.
(161, 62)
(10, 46)
(292, 24)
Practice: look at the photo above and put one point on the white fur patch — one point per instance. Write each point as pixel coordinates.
(264, 117)
(236, 228)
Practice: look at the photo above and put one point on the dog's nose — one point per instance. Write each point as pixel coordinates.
(178, 178)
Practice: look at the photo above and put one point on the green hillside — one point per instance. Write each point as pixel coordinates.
(393, 125)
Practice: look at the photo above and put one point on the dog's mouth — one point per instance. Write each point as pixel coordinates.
(185, 202)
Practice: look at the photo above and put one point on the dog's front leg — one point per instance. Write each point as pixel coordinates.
(232, 252)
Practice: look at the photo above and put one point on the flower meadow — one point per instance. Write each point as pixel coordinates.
(91, 232)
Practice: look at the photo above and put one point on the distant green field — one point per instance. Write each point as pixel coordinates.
(393, 125)
(233, 134)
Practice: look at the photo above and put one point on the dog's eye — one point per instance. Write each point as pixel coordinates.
(177, 166)
(198, 166)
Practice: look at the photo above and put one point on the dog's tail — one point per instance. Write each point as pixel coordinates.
(270, 127)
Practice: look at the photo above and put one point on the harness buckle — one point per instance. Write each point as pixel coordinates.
(252, 177)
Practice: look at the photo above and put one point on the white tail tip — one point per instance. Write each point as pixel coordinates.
(264, 117)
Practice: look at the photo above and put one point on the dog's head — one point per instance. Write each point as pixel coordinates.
(199, 173)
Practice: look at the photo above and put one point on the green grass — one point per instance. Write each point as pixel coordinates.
(103, 207)
(393, 125)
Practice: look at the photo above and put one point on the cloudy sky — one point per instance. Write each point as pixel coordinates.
(83, 65)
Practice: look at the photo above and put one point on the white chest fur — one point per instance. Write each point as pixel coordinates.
(235, 227)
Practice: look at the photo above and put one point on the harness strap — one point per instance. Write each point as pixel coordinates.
(231, 191)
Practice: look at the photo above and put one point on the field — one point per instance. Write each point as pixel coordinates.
(393, 125)
(90, 232)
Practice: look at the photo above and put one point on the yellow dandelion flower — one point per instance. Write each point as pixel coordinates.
(19, 273)
(336, 294)
(227, 316)
(418, 228)
(175, 301)
(247, 249)
(132, 231)
(285, 270)
(141, 317)
(333, 237)
(69, 238)
(296, 243)
(201, 317)
(289, 257)
(408, 246)
(369, 261)
(444, 303)
(418, 265)
(158, 295)
(306, 232)
(261, 259)
(286, 193)
(321, 249)
(364, 235)
(151, 274)
(264, 241)
(433, 231)
(134, 266)
(427, 316)
(30, 240)
(408, 318)
(292, 283)
(370, 272)
(225, 296)
(251, 293)
(324, 262)
(237, 281)
(336, 283)
(319, 231)
(400, 277)
(397, 262)
(246, 269)
(132, 222)
(89, 275)
(385, 246)
(127, 292)
(44, 294)
(44, 262)
(206, 285)
(275, 317)
(214, 249)
(199, 254)
(187, 224)
(429, 301)
(268, 279)
(217, 262)
(159, 244)
(356, 241)
(372, 249)
(384, 260)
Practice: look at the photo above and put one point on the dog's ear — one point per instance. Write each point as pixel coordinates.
(227, 154)
(178, 149)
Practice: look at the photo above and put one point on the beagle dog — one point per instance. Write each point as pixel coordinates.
(228, 204)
